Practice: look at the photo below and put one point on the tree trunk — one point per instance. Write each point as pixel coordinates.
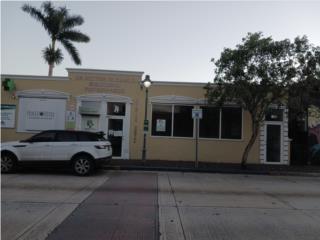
(51, 65)
(50, 69)
(255, 128)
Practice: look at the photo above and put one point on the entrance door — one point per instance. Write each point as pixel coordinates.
(115, 135)
(273, 140)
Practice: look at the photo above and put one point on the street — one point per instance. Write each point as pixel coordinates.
(159, 205)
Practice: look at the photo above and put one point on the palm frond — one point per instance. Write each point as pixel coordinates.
(35, 13)
(73, 21)
(72, 51)
(74, 35)
(52, 56)
(48, 9)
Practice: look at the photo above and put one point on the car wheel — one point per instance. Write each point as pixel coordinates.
(82, 165)
(8, 162)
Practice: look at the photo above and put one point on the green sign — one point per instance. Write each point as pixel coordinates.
(146, 125)
(8, 85)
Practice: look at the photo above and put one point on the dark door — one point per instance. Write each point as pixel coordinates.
(273, 143)
(115, 134)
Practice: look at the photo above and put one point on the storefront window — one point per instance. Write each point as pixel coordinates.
(231, 123)
(161, 120)
(183, 122)
(209, 125)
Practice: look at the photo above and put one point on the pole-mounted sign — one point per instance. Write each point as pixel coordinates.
(196, 115)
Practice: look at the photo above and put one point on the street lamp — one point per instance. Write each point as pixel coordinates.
(145, 83)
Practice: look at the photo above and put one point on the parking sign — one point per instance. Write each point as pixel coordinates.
(196, 113)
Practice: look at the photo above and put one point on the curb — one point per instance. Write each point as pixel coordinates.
(223, 171)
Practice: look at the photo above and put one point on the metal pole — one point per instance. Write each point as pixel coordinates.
(197, 125)
(144, 150)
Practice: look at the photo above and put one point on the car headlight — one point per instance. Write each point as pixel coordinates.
(103, 147)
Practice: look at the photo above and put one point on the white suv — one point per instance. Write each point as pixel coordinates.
(83, 150)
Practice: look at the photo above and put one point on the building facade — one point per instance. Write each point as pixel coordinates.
(114, 102)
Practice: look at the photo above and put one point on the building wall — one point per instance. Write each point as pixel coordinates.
(81, 82)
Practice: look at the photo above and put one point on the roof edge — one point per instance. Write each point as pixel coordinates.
(101, 71)
(32, 77)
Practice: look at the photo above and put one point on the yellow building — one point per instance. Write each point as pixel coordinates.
(114, 102)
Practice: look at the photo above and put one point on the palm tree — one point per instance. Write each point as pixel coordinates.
(60, 27)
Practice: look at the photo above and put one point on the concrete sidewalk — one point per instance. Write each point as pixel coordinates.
(205, 167)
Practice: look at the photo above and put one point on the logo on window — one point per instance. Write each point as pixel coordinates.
(116, 109)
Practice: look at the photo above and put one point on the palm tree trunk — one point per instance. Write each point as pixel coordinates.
(255, 128)
(50, 70)
(51, 65)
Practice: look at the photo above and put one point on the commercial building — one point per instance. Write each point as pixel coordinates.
(114, 102)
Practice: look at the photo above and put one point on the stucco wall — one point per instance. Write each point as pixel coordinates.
(163, 148)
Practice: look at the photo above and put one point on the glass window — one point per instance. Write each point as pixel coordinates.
(183, 122)
(66, 137)
(161, 120)
(210, 123)
(90, 137)
(115, 108)
(44, 137)
(231, 123)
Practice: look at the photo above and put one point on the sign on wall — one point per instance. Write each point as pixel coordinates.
(8, 114)
(90, 123)
(37, 114)
(70, 120)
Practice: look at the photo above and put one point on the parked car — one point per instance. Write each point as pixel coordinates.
(83, 151)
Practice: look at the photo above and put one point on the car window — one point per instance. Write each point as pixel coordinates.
(66, 137)
(90, 137)
(44, 137)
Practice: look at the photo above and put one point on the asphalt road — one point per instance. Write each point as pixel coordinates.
(159, 205)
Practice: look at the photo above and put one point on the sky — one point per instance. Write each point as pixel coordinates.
(170, 41)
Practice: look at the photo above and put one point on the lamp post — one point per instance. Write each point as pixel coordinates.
(145, 83)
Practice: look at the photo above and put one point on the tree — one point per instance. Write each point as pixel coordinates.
(256, 74)
(306, 90)
(60, 27)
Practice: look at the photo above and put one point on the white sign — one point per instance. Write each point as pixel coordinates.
(161, 125)
(8, 113)
(71, 116)
(44, 114)
(196, 113)
(37, 114)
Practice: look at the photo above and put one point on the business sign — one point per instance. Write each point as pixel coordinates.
(8, 114)
(37, 114)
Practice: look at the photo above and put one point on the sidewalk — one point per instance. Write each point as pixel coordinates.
(183, 166)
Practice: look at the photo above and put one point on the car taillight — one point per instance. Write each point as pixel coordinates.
(102, 147)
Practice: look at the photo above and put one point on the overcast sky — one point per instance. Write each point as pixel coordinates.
(170, 41)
